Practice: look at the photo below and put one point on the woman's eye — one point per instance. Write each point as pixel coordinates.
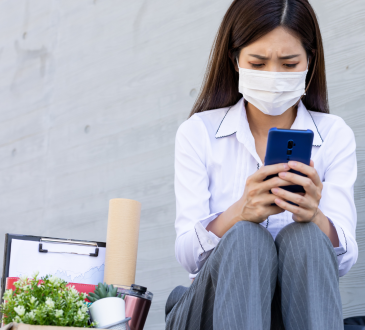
(257, 65)
(291, 65)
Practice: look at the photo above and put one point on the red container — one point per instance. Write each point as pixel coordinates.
(137, 304)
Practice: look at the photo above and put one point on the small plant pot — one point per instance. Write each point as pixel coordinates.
(107, 311)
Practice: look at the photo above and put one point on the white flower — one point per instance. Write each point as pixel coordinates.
(32, 300)
(55, 280)
(23, 278)
(79, 316)
(84, 309)
(19, 299)
(17, 319)
(50, 303)
(73, 295)
(20, 310)
(8, 295)
(58, 313)
(74, 292)
(31, 315)
(83, 295)
(35, 275)
(20, 296)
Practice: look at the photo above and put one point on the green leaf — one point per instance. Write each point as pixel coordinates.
(114, 292)
(102, 291)
(94, 295)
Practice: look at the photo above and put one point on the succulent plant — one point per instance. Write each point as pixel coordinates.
(103, 291)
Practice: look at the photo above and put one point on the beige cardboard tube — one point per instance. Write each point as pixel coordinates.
(122, 241)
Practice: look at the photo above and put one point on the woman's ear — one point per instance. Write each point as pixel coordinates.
(234, 57)
(236, 65)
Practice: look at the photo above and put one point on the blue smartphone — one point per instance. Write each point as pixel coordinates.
(284, 145)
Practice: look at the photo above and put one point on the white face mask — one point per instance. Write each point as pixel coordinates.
(271, 92)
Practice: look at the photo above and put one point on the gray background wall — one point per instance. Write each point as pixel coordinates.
(91, 95)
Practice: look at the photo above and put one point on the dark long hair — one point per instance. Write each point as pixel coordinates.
(245, 22)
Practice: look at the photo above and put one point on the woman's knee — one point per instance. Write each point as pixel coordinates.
(300, 241)
(245, 236)
(247, 248)
(247, 229)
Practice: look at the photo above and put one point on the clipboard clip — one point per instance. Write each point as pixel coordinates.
(68, 241)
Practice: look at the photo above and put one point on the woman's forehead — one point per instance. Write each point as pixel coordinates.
(279, 42)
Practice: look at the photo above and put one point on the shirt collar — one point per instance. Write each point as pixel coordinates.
(235, 121)
(305, 120)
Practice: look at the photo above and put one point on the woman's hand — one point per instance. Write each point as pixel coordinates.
(307, 208)
(256, 203)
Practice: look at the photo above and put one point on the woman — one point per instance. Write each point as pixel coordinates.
(258, 260)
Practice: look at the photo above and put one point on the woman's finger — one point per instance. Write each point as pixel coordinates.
(306, 182)
(266, 199)
(308, 170)
(273, 209)
(292, 197)
(273, 183)
(267, 170)
(298, 212)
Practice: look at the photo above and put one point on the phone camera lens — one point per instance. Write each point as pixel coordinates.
(290, 144)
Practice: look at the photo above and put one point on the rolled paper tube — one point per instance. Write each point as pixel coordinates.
(122, 241)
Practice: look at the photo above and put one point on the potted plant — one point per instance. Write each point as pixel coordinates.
(108, 308)
(45, 302)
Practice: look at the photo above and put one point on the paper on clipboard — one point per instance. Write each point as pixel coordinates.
(26, 259)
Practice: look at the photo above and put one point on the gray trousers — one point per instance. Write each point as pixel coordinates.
(252, 282)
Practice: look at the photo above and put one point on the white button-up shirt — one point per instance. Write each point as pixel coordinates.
(215, 153)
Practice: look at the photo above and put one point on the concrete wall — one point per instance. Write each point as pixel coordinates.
(343, 29)
(91, 95)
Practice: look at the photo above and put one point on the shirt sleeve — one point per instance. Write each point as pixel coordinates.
(193, 242)
(337, 201)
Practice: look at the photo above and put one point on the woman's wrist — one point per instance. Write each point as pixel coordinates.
(319, 218)
(326, 226)
(221, 224)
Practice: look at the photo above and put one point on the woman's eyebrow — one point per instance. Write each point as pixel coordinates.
(288, 57)
(261, 57)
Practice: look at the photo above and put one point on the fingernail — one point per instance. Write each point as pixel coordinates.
(274, 190)
(283, 174)
(292, 163)
(277, 201)
(286, 166)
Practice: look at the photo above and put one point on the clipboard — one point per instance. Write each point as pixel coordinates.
(50, 248)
